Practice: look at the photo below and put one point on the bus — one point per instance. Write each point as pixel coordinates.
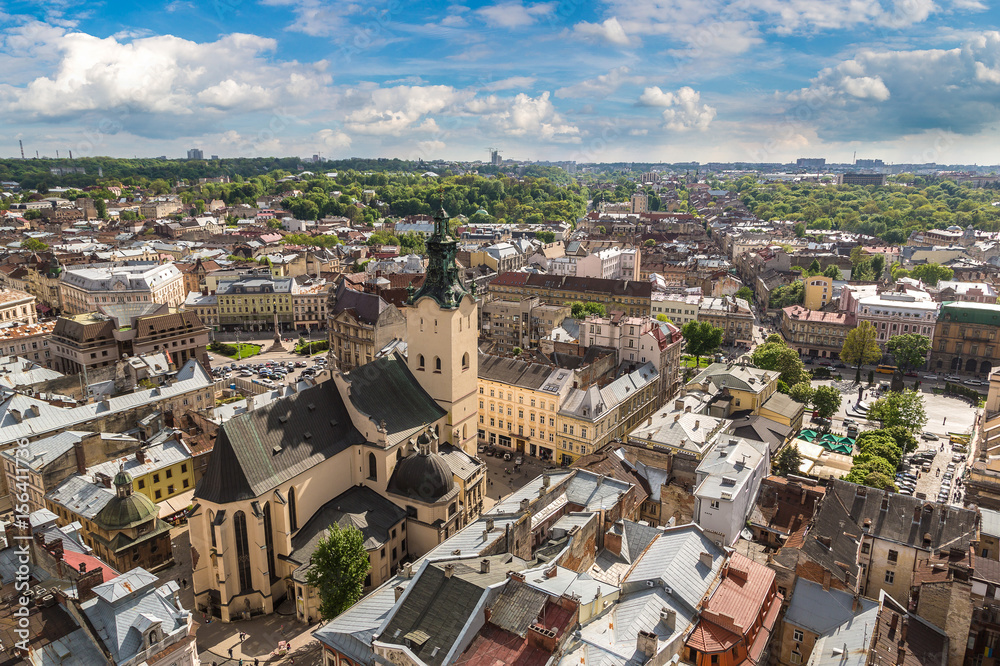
(886, 369)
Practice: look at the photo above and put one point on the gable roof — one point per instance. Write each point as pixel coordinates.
(262, 449)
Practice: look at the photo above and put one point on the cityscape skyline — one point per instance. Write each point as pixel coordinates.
(648, 81)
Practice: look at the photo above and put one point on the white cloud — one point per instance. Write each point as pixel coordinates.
(896, 93)
(317, 18)
(431, 147)
(600, 86)
(527, 116)
(394, 110)
(610, 31)
(332, 139)
(510, 83)
(514, 14)
(683, 109)
(165, 77)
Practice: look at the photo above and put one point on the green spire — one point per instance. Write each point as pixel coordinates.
(442, 282)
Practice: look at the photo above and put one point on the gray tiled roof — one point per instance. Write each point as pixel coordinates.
(261, 449)
(358, 506)
(41, 452)
(821, 611)
(386, 390)
(127, 605)
(81, 496)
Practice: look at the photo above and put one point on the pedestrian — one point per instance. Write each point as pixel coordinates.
(944, 420)
(230, 653)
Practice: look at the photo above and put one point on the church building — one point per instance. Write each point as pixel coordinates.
(388, 447)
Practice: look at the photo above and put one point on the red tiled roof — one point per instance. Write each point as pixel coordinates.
(497, 647)
(741, 595)
(710, 637)
(75, 559)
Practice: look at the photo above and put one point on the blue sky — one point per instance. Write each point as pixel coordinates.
(639, 80)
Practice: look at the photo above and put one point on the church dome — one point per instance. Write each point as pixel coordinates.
(422, 476)
(123, 512)
(126, 509)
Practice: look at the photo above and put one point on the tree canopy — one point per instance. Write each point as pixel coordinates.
(931, 274)
(779, 356)
(909, 350)
(861, 347)
(904, 409)
(701, 338)
(787, 461)
(826, 401)
(580, 310)
(338, 569)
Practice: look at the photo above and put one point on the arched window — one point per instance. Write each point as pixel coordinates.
(269, 542)
(465, 361)
(420, 362)
(242, 551)
(437, 364)
(372, 467)
(293, 521)
(211, 525)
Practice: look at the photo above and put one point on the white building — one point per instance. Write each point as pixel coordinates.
(726, 485)
(899, 314)
(679, 308)
(82, 289)
(613, 263)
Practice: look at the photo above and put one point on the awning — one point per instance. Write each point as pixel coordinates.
(176, 504)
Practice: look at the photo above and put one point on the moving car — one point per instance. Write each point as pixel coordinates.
(929, 436)
(930, 376)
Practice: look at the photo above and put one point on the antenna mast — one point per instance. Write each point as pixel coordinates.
(21, 143)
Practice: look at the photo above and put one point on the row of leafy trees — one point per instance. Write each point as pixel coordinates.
(878, 456)
(891, 212)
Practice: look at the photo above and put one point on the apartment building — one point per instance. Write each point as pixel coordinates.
(613, 263)
(726, 484)
(519, 403)
(250, 303)
(732, 315)
(638, 340)
(899, 314)
(814, 333)
(362, 323)
(91, 340)
(309, 302)
(965, 338)
(679, 308)
(817, 292)
(29, 341)
(17, 307)
(520, 322)
(633, 298)
(85, 288)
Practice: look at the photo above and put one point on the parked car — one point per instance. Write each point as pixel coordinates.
(911, 373)
(838, 364)
(519, 460)
(827, 364)
(929, 436)
(930, 376)
(952, 378)
(809, 360)
(506, 456)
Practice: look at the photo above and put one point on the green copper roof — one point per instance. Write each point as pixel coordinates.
(123, 478)
(442, 282)
(985, 314)
(124, 512)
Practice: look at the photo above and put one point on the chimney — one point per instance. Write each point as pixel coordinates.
(399, 592)
(546, 482)
(551, 572)
(706, 559)
(140, 456)
(484, 566)
(449, 569)
(83, 567)
(408, 570)
(678, 405)
(87, 581)
(677, 417)
(542, 638)
(81, 458)
(645, 643)
(489, 524)
(16, 413)
(613, 543)
(525, 503)
(649, 421)
(668, 616)
(827, 577)
(902, 632)
(687, 409)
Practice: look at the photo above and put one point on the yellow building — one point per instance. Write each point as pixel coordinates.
(519, 404)
(249, 303)
(818, 292)
(160, 471)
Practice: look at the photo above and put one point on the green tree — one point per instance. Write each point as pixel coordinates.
(815, 268)
(802, 392)
(833, 271)
(881, 444)
(903, 408)
(880, 481)
(338, 568)
(903, 437)
(860, 347)
(581, 310)
(545, 236)
(826, 401)
(101, 207)
(787, 461)
(799, 229)
(34, 245)
(663, 317)
(701, 338)
(746, 293)
(878, 266)
(931, 273)
(910, 351)
(785, 295)
(779, 356)
(649, 242)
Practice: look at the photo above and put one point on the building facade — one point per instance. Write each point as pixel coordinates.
(362, 323)
(250, 303)
(632, 297)
(965, 338)
(85, 288)
(815, 333)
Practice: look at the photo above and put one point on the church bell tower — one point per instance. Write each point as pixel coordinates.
(442, 333)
